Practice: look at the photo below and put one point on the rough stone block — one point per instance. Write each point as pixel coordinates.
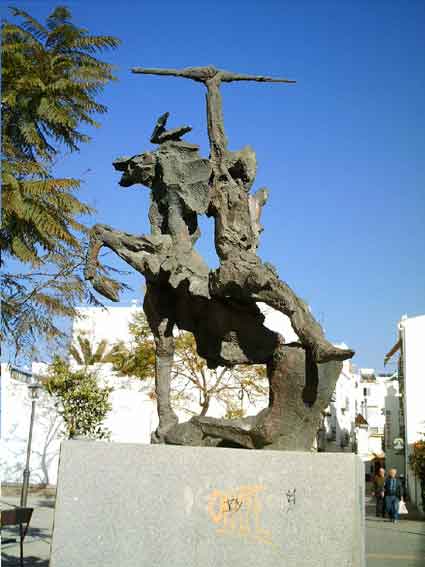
(144, 505)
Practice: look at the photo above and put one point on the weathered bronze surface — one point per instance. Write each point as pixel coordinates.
(218, 306)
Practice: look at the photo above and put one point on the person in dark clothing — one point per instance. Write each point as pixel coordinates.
(378, 492)
(393, 492)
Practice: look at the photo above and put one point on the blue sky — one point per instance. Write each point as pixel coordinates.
(342, 151)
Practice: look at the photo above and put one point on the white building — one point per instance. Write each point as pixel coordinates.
(278, 322)
(411, 372)
(110, 324)
(339, 422)
(378, 403)
(132, 419)
(372, 402)
(15, 422)
(363, 417)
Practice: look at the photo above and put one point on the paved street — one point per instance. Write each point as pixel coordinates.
(37, 542)
(387, 545)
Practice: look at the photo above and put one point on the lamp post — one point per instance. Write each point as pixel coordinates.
(33, 388)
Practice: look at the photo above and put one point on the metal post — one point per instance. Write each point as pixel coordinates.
(26, 474)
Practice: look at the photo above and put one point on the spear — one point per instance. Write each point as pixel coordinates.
(212, 78)
(204, 74)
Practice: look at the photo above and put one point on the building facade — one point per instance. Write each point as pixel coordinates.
(410, 349)
(339, 420)
(363, 418)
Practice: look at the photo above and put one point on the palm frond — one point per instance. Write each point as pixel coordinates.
(100, 351)
(30, 24)
(73, 351)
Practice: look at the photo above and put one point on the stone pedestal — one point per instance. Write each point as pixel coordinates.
(144, 505)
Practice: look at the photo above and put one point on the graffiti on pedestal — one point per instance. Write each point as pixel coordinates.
(238, 512)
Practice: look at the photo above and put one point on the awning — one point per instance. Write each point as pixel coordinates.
(392, 352)
(373, 456)
(360, 421)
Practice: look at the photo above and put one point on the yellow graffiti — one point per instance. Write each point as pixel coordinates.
(238, 512)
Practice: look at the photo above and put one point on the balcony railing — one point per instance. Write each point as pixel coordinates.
(377, 430)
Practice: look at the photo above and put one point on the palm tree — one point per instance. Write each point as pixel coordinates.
(85, 354)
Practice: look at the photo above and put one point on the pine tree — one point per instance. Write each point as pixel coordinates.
(51, 77)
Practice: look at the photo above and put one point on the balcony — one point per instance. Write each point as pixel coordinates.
(376, 430)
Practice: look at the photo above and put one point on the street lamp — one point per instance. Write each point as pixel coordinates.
(34, 389)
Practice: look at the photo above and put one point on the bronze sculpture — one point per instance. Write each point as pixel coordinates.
(219, 307)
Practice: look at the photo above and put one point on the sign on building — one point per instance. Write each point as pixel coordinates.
(398, 444)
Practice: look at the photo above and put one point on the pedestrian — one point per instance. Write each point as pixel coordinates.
(393, 492)
(378, 492)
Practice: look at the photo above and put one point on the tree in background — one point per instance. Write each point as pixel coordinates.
(51, 78)
(192, 382)
(137, 359)
(85, 354)
(417, 462)
(80, 400)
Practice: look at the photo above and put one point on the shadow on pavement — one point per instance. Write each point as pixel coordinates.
(29, 561)
(39, 503)
(33, 534)
(45, 503)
